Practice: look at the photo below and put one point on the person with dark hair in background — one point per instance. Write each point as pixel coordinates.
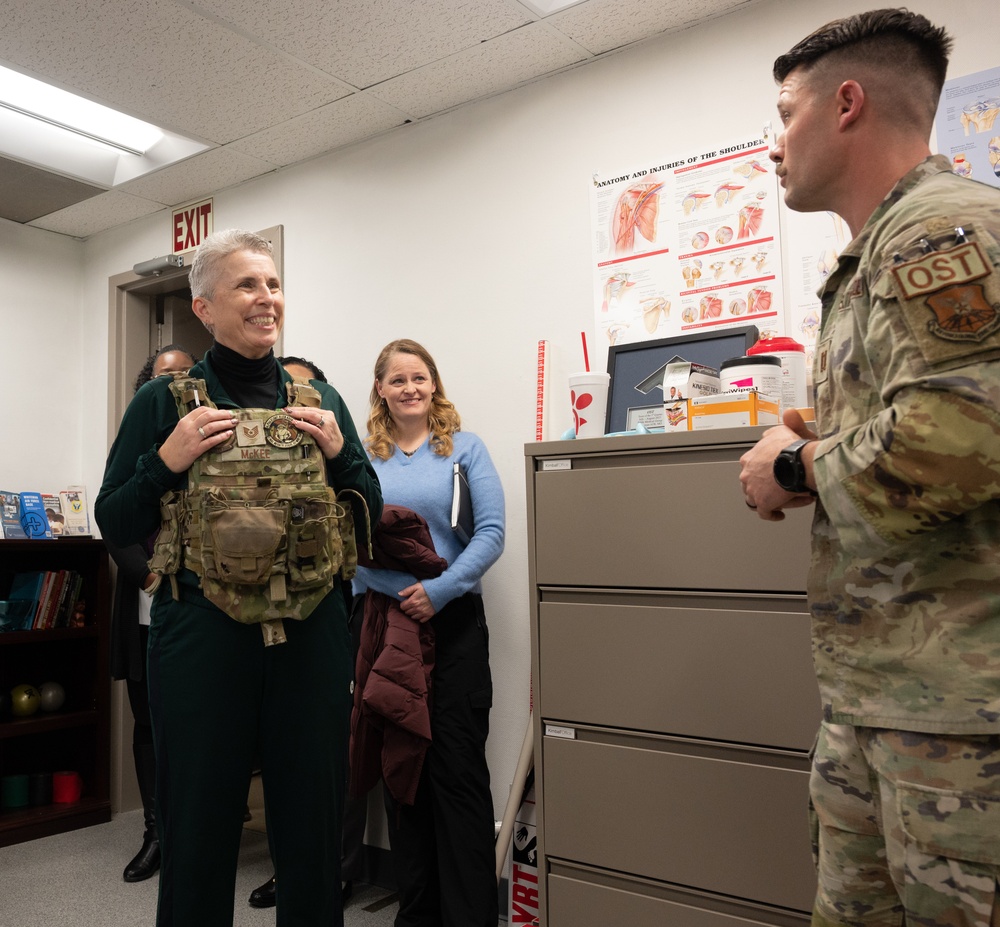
(904, 473)
(129, 637)
(355, 809)
(443, 843)
(253, 481)
(300, 367)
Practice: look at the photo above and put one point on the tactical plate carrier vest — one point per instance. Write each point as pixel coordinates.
(258, 524)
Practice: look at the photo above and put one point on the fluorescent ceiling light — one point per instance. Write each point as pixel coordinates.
(57, 130)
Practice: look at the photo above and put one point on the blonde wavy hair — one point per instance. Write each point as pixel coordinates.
(443, 418)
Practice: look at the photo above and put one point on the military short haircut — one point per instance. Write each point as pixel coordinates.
(908, 40)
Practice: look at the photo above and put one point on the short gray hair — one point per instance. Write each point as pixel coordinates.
(219, 245)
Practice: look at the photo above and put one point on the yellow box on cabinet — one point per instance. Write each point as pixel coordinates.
(727, 410)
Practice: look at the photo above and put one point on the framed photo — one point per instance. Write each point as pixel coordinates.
(635, 395)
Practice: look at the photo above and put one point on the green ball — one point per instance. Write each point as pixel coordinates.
(24, 700)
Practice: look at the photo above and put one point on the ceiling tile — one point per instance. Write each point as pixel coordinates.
(187, 73)
(487, 69)
(197, 177)
(603, 25)
(332, 126)
(27, 192)
(362, 42)
(97, 214)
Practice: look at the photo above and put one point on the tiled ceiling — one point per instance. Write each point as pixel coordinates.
(268, 83)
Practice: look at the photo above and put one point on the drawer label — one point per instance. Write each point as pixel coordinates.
(564, 464)
(567, 733)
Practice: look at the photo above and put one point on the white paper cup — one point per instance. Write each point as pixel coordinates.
(588, 396)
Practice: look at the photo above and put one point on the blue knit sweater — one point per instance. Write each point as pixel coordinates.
(423, 483)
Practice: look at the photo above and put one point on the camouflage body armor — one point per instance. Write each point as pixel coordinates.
(258, 524)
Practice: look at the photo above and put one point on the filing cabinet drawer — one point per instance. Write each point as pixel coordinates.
(736, 669)
(582, 899)
(717, 820)
(683, 526)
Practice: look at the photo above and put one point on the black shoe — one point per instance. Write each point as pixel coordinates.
(346, 890)
(263, 896)
(145, 863)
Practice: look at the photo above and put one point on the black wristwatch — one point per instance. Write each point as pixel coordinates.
(789, 471)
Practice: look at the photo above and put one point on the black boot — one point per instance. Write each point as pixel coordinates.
(146, 862)
(263, 896)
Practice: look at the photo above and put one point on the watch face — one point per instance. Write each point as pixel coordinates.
(789, 473)
(784, 472)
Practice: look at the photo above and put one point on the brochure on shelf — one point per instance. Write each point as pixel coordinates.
(74, 511)
(34, 521)
(10, 515)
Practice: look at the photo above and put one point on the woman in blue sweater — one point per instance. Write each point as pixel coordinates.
(443, 844)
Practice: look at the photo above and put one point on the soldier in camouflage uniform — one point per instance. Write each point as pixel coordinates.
(219, 694)
(904, 470)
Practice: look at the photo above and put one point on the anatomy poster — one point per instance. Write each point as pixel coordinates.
(813, 242)
(688, 245)
(967, 127)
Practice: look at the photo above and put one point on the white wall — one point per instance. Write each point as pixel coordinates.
(44, 355)
(469, 233)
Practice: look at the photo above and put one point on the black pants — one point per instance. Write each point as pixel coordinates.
(443, 845)
(138, 699)
(217, 696)
(355, 809)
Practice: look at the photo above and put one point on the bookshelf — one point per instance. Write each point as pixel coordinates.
(77, 735)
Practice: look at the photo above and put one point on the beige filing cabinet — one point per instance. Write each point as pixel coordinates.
(674, 695)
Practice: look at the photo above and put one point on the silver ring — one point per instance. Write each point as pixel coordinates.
(320, 422)
(201, 431)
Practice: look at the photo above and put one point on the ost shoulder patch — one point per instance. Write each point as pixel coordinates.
(952, 302)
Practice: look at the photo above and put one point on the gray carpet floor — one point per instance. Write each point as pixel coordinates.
(75, 880)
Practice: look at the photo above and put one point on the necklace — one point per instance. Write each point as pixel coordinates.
(409, 453)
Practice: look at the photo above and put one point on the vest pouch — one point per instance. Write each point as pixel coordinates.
(242, 541)
(349, 566)
(315, 548)
(166, 559)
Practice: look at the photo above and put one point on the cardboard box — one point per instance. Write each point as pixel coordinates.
(683, 379)
(727, 410)
(677, 415)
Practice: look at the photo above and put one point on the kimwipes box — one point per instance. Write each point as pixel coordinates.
(728, 410)
(683, 380)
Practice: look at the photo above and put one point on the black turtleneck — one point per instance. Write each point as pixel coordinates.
(250, 383)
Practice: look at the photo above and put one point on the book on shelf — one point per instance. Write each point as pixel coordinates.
(34, 521)
(67, 604)
(10, 515)
(76, 519)
(56, 594)
(22, 601)
(43, 600)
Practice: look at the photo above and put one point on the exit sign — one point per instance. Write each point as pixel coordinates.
(191, 225)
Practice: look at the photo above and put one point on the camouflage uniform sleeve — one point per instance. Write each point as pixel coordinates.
(929, 450)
